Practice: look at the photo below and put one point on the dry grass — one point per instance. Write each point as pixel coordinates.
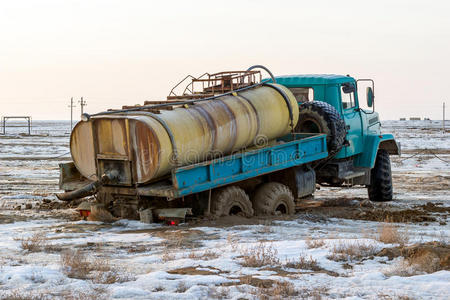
(36, 243)
(351, 251)
(158, 289)
(97, 293)
(255, 281)
(203, 255)
(139, 249)
(233, 241)
(415, 265)
(444, 238)
(402, 268)
(310, 243)
(76, 264)
(315, 293)
(425, 262)
(286, 290)
(418, 259)
(279, 290)
(388, 233)
(24, 295)
(217, 292)
(266, 289)
(264, 229)
(304, 263)
(111, 276)
(259, 255)
(186, 239)
(167, 255)
(37, 278)
(382, 296)
(181, 287)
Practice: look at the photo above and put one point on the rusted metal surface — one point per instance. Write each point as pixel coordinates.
(70, 178)
(147, 142)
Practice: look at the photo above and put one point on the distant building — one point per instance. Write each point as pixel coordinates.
(415, 118)
(402, 119)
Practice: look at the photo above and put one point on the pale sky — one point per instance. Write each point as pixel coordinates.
(124, 52)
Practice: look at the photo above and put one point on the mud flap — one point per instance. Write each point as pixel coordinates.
(305, 180)
(172, 216)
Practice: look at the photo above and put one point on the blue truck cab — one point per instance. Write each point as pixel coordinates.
(363, 138)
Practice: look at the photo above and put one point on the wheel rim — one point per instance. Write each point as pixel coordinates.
(234, 210)
(310, 126)
(281, 208)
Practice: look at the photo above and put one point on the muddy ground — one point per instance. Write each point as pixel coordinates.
(207, 258)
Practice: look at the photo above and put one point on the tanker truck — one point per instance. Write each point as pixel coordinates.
(230, 143)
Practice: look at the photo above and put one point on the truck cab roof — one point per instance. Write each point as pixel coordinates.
(312, 79)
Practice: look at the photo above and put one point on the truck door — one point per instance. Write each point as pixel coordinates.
(352, 118)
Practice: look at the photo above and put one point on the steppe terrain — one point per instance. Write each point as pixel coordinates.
(347, 247)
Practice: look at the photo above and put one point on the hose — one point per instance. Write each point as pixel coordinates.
(87, 190)
(265, 69)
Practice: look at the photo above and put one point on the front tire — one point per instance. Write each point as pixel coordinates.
(380, 188)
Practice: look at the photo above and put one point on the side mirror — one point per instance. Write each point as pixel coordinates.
(370, 96)
(348, 88)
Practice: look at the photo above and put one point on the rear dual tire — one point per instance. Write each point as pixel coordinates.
(270, 198)
(231, 200)
(273, 198)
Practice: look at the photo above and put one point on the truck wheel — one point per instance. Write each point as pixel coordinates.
(321, 117)
(273, 198)
(380, 188)
(231, 200)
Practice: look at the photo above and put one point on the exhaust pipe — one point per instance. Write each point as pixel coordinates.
(87, 190)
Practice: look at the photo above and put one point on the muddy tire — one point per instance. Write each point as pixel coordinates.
(231, 200)
(321, 117)
(380, 188)
(273, 198)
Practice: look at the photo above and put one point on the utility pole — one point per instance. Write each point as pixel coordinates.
(71, 113)
(82, 104)
(443, 116)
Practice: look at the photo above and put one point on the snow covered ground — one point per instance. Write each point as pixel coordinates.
(329, 252)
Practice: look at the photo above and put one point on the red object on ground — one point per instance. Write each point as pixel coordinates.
(85, 213)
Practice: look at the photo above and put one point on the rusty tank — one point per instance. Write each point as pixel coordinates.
(138, 146)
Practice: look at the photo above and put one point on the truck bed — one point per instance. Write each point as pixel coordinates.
(292, 150)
